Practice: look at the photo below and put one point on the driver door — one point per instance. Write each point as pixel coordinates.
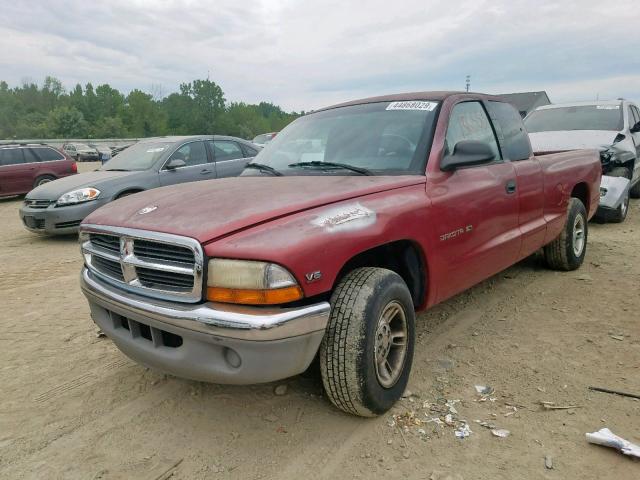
(474, 209)
(197, 167)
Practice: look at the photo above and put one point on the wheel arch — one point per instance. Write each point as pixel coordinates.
(405, 257)
(128, 191)
(581, 192)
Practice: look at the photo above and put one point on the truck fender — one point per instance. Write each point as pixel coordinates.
(616, 190)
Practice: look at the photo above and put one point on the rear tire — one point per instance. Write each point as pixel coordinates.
(620, 214)
(635, 191)
(43, 179)
(567, 252)
(367, 350)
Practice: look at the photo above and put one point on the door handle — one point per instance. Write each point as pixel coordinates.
(510, 187)
(205, 172)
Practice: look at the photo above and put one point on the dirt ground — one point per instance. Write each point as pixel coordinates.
(72, 406)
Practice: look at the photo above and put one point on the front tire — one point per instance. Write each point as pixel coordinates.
(367, 350)
(567, 252)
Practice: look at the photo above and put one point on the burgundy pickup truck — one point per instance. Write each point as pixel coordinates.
(352, 219)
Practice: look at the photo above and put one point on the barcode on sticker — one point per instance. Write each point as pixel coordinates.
(414, 105)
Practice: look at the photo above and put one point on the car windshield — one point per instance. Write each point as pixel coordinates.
(586, 117)
(140, 156)
(385, 138)
(82, 146)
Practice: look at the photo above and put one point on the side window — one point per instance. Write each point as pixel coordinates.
(515, 139)
(226, 150)
(248, 151)
(192, 153)
(44, 154)
(636, 114)
(11, 156)
(469, 121)
(30, 155)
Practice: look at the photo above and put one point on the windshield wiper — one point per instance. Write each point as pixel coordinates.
(345, 166)
(116, 170)
(264, 168)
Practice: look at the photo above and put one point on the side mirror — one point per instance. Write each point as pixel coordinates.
(635, 128)
(175, 163)
(467, 153)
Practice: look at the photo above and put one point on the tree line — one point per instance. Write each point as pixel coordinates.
(50, 111)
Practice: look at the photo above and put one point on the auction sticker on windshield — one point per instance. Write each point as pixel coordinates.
(415, 105)
(608, 107)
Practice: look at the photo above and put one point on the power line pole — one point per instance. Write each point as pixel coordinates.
(468, 82)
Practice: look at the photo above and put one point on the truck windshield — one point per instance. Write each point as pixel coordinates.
(140, 156)
(385, 138)
(586, 117)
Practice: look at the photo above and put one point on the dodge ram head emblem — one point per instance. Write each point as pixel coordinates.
(148, 209)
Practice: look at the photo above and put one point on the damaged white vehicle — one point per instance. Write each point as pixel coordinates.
(613, 128)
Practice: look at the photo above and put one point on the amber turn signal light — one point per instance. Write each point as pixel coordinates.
(255, 297)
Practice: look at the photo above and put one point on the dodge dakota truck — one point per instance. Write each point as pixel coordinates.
(351, 220)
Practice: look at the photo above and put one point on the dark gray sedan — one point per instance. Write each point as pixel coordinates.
(58, 207)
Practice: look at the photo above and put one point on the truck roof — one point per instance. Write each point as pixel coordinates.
(400, 97)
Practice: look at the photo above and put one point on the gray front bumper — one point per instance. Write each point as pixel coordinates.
(57, 220)
(209, 342)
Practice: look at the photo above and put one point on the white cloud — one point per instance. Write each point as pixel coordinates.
(307, 54)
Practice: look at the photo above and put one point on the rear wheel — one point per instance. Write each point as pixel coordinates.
(367, 351)
(567, 252)
(635, 191)
(43, 179)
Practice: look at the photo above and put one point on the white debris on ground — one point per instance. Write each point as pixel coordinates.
(607, 438)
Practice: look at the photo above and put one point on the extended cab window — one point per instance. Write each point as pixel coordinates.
(381, 138)
(192, 153)
(11, 156)
(226, 150)
(469, 121)
(514, 137)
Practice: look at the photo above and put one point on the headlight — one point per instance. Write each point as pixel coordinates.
(78, 196)
(250, 283)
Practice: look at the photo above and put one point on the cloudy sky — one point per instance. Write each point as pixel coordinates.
(304, 54)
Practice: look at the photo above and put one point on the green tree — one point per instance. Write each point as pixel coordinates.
(65, 122)
(142, 116)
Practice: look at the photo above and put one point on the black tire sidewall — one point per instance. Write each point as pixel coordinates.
(374, 396)
(577, 208)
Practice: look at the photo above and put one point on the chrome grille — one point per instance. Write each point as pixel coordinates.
(106, 242)
(163, 252)
(108, 267)
(150, 263)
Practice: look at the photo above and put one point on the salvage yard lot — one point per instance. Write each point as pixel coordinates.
(73, 406)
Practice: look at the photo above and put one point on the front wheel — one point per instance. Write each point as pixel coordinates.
(567, 252)
(367, 350)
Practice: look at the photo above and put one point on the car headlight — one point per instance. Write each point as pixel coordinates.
(78, 196)
(250, 283)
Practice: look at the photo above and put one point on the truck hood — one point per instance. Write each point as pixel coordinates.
(571, 140)
(53, 190)
(207, 210)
